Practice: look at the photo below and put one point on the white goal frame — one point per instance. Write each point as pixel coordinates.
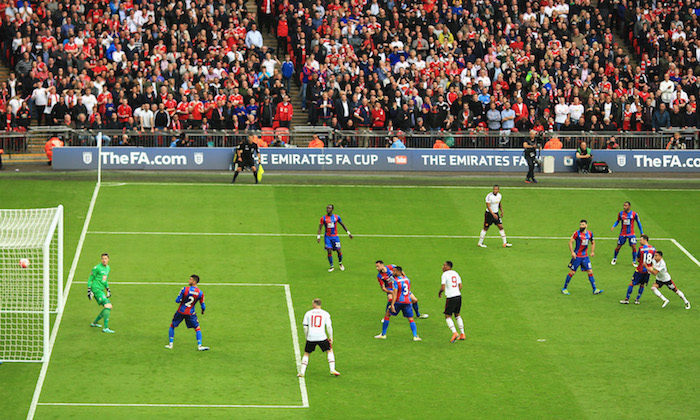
(43, 240)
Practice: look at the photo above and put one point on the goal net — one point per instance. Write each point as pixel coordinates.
(31, 280)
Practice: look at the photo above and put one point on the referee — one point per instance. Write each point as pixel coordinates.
(451, 285)
(530, 152)
(245, 158)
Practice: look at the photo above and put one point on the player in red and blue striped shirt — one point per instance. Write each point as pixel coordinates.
(188, 298)
(641, 274)
(582, 238)
(626, 218)
(330, 222)
(385, 280)
(400, 302)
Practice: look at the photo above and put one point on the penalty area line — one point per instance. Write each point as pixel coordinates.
(171, 405)
(162, 283)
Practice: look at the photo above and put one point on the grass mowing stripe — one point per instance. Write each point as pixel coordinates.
(59, 317)
(162, 283)
(460, 187)
(686, 252)
(170, 405)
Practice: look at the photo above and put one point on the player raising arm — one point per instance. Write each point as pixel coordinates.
(316, 323)
(98, 287)
(331, 240)
(627, 217)
(582, 238)
(188, 298)
(493, 215)
(451, 285)
(641, 274)
(663, 278)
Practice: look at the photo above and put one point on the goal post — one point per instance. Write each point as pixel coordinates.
(31, 280)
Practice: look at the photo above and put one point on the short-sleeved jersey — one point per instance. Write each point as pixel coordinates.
(188, 298)
(662, 274)
(451, 280)
(493, 201)
(403, 286)
(99, 277)
(248, 150)
(582, 241)
(317, 320)
(646, 256)
(331, 223)
(627, 220)
(384, 278)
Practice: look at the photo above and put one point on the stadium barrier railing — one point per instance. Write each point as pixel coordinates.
(13, 142)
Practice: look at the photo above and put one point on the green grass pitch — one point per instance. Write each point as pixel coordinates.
(531, 352)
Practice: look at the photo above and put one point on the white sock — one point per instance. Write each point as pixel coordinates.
(482, 235)
(679, 293)
(503, 235)
(657, 292)
(304, 363)
(331, 360)
(460, 324)
(451, 325)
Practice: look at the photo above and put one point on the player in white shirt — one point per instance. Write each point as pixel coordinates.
(494, 212)
(663, 278)
(451, 285)
(316, 323)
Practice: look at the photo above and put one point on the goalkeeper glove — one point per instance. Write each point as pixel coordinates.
(109, 293)
(90, 295)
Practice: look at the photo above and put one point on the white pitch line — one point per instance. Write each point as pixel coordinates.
(295, 342)
(162, 283)
(59, 317)
(171, 405)
(557, 238)
(686, 252)
(459, 187)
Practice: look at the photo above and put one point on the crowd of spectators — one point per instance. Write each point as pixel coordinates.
(421, 65)
(137, 64)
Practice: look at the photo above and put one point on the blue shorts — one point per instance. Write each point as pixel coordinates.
(405, 308)
(640, 278)
(190, 320)
(332, 242)
(621, 240)
(583, 262)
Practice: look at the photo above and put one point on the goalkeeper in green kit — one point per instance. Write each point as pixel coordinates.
(99, 289)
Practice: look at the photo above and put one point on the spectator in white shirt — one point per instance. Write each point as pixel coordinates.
(561, 112)
(253, 38)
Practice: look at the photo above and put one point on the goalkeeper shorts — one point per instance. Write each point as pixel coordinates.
(101, 298)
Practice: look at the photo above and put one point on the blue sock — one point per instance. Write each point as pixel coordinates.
(340, 257)
(592, 280)
(639, 294)
(171, 334)
(414, 330)
(330, 258)
(199, 336)
(616, 252)
(415, 308)
(629, 291)
(634, 256)
(385, 326)
(568, 279)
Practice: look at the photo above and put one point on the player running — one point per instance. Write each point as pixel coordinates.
(645, 257)
(385, 277)
(400, 302)
(316, 323)
(451, 285)
(663, 278)
(580, 257)
(331, 240)
(627, 218)
(188, 298)
(493, 215)
(98, 287)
